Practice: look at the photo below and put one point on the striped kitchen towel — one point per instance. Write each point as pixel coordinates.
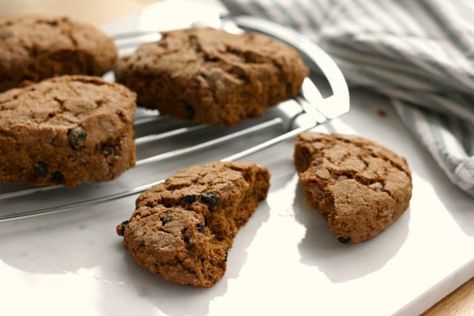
(419, 53)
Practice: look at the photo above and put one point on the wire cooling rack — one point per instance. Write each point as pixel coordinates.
(162, 142)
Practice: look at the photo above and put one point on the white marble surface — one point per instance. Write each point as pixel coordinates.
(285, 261)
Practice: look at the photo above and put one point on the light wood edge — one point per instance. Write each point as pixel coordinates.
(460, 302)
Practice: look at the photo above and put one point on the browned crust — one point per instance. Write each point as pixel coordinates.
(66, 130)
(210, 76)
(33, 48)
(359, 187)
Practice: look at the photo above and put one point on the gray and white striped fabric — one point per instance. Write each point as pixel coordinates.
(419, 53)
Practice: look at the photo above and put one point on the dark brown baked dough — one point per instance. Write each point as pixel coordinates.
(358, 186)
(66, 130)
(33, 48)
(210, 76)
(182, 228)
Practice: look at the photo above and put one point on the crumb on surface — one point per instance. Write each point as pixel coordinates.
(381, 113)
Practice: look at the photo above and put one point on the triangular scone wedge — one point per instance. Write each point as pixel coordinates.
(182, 228)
